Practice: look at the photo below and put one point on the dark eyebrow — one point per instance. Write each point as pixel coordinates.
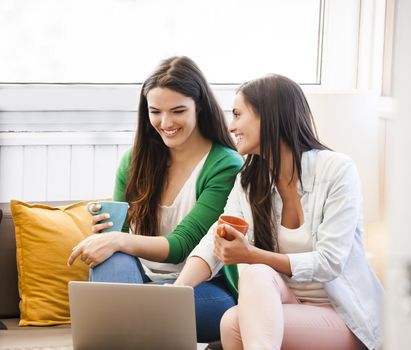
(172, 109)
(178, 107)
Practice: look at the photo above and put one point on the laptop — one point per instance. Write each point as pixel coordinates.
(132, 316)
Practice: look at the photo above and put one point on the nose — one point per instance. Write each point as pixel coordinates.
(166, 120)
(231, 126)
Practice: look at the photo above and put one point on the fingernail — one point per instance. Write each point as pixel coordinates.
(110, 223)
(107, 216)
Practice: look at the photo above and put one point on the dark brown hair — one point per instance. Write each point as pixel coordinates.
(150, 156)
(284, 116)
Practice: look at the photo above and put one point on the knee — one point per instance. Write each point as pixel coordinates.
(229, 323)
(257, 275)
(117, 260)
(119, 267)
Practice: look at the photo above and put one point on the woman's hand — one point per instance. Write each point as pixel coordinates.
(96, 228)
(96, 248)
(237, 251)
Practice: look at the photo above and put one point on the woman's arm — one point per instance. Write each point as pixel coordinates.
(195, 271)
(214, 184)
(120, 184)
(149, 248)
(202, 264)
(335, 234)
(98, 247)
(240, 251)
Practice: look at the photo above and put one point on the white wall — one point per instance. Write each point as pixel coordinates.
(398, 300)
(58, 172)
(348, 123)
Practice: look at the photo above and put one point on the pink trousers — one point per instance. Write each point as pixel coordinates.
(269, 316)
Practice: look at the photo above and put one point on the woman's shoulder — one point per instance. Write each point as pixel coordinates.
(125, 160)
(330, 163)
(222, 164)
(332, 158)
(220, 153)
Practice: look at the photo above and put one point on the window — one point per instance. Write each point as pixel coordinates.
(92, 55)
(120, 41)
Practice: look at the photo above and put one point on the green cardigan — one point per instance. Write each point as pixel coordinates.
(213, 186)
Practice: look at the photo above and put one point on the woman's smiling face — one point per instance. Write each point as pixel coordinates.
(245, 126)
(173, 115)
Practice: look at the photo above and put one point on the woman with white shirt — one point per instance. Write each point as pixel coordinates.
(176, 179)
(308, 284)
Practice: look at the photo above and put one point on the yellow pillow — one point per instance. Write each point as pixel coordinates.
(45, 237)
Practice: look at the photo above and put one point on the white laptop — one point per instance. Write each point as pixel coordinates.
(132, 316)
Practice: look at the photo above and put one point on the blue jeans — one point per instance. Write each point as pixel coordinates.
(212, 298)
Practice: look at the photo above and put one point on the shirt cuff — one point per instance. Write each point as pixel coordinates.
(205, 251)
(302, 266)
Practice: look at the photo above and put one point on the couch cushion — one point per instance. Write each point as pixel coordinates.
(9, 295)
(45, 236)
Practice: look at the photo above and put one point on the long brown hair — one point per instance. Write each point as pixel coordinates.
(284, 116)
(150, 156)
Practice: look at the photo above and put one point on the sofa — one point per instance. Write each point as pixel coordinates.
(13, 336)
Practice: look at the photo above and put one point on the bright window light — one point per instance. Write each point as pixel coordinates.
(121, 41)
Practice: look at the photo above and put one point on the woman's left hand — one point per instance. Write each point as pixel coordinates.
(95, 248)
(232, 252)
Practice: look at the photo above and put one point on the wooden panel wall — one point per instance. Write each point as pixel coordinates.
(58, 172)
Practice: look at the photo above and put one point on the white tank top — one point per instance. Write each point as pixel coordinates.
(300, 241)
(170, 217)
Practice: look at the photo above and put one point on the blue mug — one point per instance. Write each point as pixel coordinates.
(117, 210)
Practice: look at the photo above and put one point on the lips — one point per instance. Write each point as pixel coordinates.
(238, 138)
(171, 132)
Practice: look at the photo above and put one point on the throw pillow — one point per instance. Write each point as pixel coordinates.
(45, 237)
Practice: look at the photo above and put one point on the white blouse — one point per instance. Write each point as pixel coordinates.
(170, 217)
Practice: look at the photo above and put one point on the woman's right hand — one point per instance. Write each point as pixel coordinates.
(235, 251)
(95, 219)
(96, 248)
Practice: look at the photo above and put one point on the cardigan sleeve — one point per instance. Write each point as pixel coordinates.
(205, 249)
(216, 183)
(121, 182)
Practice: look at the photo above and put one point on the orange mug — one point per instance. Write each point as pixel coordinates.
(235, 222)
